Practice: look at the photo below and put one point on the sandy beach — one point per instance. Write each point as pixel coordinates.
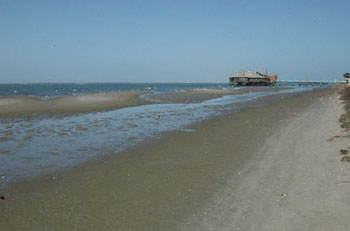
(174, 116)
(271, 167)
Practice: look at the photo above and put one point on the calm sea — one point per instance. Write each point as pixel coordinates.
(62, 89)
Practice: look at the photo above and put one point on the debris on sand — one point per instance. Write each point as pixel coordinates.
(337, 137)
(345, 159)
(345, 118)
(344, 151)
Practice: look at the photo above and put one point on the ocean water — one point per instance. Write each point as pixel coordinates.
(51, 90)
(63, 89)
(30, 148)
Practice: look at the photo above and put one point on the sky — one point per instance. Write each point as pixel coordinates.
(172, 41)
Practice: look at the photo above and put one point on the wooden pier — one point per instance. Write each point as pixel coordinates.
(307, 83)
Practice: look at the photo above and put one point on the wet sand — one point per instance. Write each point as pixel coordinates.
(196, 96)
(28, 106)
(262, 168)
(15, 106)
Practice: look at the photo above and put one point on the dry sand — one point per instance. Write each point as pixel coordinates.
(296, 180)
(263, 168)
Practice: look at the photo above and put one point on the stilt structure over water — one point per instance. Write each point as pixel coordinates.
(252, 78)
(255, 78)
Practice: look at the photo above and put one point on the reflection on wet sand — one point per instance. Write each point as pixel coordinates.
(43, 144)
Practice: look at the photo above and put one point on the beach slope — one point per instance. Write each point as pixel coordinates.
(297, 180)
(273, 167)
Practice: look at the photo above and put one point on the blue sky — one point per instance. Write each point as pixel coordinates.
(171, 41)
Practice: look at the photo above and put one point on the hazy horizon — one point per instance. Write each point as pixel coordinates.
(87, 82)
(171, 42)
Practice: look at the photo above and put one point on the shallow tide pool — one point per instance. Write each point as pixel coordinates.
(30, 148)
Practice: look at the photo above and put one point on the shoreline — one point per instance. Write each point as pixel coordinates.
(200, 95)
(160, 183)
(21, 106)
(42, 145)
(33, 106)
